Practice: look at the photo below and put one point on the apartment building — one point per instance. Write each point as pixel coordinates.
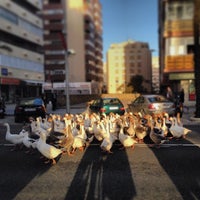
(155, 75)
(176, 44)
(21, 44)
(125, 60)
(73, 26)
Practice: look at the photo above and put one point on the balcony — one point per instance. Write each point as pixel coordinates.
(180, 63)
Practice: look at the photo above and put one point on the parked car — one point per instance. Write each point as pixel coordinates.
(107, 106)
(2, 108)
(153, 103)
(29, 107)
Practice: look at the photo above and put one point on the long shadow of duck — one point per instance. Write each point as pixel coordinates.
(102, 176)
(17, 169)
(181, 162)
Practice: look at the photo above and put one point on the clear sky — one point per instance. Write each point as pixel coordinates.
(130, 19)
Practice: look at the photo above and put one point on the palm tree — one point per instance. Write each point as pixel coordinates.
(196, 23)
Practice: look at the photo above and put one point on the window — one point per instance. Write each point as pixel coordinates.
(30, 27)
(8, 16)
(190, 49)
(55, 1)
(179, 12)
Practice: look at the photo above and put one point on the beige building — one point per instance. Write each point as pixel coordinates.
(125, 60)
(80, 32)
(21, 44)
(155, 75)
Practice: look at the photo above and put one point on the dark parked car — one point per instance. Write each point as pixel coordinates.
(29, 107)
(107, 105)
(2, 108)
(152, 103)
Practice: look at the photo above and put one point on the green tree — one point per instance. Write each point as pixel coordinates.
(196, 23)
(136, 82)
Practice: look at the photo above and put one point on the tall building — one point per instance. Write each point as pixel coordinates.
(125, 60)
(155, 75)
(21, 49)
(73, 25)
(176, 44)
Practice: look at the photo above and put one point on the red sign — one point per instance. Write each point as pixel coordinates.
(10, 81)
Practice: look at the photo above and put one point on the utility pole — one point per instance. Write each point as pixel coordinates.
(67, 99)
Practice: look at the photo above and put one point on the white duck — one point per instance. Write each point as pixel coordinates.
(15, 139)
(131, 127)
(164, 127)
(108, 141)
(141, 132)
(80, 139)
(126, 140)
(27, 141)
(98, 130)
(47, 150)
(36, 127)
(178, 131)
(68, 141)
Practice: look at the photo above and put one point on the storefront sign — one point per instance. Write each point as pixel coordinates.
(181, 76)
(47, 86)
(10, 81)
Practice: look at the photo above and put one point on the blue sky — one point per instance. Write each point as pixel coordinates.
(130, 19)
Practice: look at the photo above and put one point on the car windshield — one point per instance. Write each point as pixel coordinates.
(36, 101)
(157, 99)
(110, 101)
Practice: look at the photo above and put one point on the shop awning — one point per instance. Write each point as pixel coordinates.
(33, 82)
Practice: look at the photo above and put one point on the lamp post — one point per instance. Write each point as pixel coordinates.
(64, 40)
(67, 54)
(67, 103)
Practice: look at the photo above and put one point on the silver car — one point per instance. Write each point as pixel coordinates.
(152, 103)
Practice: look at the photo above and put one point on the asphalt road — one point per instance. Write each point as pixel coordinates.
(170, 172)
(142, 173)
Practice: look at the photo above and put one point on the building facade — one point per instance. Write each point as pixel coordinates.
(73, 25)
(176, 44)
(21, 49)
(155, 75)
(125, 60)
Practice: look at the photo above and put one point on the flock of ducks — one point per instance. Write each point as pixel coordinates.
(57, 135)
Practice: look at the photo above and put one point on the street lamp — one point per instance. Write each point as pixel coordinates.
(67, 54)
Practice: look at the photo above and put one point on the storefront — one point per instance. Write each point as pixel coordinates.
(185, 81)
(12, 88)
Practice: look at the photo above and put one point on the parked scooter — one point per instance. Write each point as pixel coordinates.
(2, 108)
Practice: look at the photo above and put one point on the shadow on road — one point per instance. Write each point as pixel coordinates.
(17, 168)
(181, 163)
(102, 176)
(17, 171)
